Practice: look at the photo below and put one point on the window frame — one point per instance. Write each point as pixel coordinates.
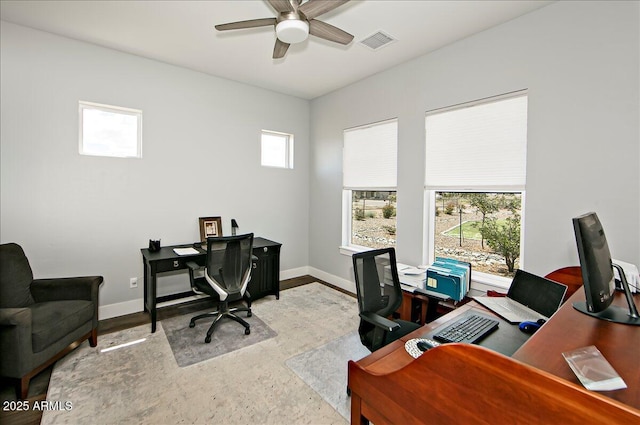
(119, 110)
(288, 154)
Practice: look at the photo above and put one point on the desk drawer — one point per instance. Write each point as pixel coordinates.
(178, 263)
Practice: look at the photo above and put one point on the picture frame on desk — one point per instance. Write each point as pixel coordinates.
(210, 227)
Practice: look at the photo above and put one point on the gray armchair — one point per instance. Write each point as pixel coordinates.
(41, 320)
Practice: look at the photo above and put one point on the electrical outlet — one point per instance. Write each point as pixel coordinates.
(133, 282)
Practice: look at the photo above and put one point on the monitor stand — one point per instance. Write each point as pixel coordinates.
(614, 313)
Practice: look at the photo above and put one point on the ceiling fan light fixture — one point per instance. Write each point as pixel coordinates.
(292, 31)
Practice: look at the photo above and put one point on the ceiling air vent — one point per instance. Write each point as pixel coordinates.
(377, 40)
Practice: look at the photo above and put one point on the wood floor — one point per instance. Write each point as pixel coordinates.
(40, 383)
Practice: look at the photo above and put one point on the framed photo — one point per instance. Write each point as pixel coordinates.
(210, 227)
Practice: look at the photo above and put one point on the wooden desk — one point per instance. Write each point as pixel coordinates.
(418, 308)
(265, 277)
(570, 329)
(458, 383)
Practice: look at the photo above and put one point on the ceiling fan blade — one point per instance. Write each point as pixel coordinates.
(281, 5)
(314, 8)
(280, 49)
(264, 22)
(329, 32)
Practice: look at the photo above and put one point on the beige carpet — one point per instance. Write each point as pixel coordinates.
(142, 383)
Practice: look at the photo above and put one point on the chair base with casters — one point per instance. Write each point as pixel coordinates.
(224, 311)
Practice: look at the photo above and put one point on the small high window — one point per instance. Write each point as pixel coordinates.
(276, 149)
(110, 131)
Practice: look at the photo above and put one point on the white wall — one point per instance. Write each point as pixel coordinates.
(83, 215)
(580, 63)
(77, 215)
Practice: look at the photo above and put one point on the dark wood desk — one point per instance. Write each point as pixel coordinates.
(470, 384)
(265, 277)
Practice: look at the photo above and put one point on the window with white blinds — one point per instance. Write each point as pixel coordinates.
(481, 145)
(370, 156)
(475, 177)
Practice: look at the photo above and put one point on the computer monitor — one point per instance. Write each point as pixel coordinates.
(597, 274)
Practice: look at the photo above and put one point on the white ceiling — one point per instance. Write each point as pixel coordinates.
(182, 33)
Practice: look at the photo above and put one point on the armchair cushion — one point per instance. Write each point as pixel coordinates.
(16, 270)
(54, 320)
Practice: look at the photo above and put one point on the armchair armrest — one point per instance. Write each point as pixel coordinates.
(15, 332)
(15, 317)
(70, 288)
(379, 321)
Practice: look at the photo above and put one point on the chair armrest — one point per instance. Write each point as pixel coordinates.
(15, 316)
(379, 321)
(70, 288)
(15, 340)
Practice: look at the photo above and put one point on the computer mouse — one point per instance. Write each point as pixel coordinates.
(529, 327)
(426, 345)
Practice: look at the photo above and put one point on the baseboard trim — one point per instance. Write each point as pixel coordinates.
(135, 306)
(120, 309)
(337, 281)
(292, 273)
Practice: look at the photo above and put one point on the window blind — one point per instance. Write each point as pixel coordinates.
(481, 146)
(370, 156)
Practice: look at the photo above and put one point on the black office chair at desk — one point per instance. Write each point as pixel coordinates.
(379, 295)
(226, 276)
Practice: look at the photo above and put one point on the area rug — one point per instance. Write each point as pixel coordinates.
(188, 344)
(324, 369)
(142, 384)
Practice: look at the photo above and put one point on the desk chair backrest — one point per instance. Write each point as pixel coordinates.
(228, 267)
(377, 285)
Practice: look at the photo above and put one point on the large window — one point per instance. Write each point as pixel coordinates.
(110, 131)
(475, 181)
(369, 186)
(276, 149)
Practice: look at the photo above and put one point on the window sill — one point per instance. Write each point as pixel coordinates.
(484, 282)
(350, 250)
(480, 281)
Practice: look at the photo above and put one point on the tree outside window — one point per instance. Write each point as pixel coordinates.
(482, 228)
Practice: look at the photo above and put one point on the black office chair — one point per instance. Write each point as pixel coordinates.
(226, 276)
(379, 295)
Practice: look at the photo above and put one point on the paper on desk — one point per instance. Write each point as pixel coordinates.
(185, 251)
(593, 370)
(412, 271)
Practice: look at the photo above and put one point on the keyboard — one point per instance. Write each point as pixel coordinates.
(469, 329)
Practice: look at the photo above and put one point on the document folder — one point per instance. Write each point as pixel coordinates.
(449, 277)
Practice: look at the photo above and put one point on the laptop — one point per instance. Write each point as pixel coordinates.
(530, 298)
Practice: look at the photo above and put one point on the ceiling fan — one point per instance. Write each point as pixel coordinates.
(294, 23)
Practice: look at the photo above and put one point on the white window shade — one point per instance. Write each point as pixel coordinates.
(480, 146)
(370, 156)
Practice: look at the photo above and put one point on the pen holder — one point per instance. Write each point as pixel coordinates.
(154, 246)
